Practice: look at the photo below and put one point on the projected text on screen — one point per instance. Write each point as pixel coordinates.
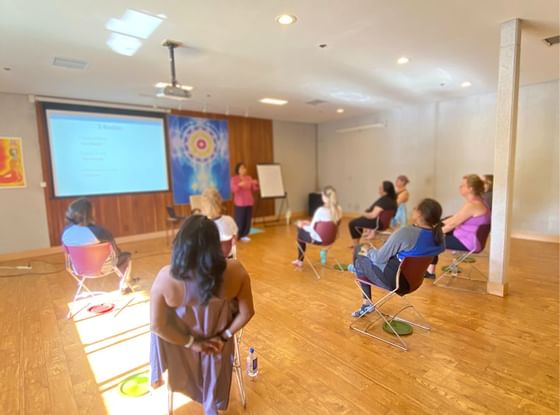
(95, 153)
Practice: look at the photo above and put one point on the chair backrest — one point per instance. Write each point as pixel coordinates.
(171, 212)
(384, 219)
(327, 230)
(412, 268)
(482, 235)
(89, 260)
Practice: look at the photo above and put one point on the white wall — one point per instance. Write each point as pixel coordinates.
(436, 144)
(23, 218)
(294, 146)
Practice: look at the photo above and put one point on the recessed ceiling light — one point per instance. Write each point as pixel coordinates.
(164, 84)
(286, 19)
(466, 84)
(273, 101)
(402, 60)
(340, 110)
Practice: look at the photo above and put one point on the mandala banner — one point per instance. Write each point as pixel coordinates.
(199, 156)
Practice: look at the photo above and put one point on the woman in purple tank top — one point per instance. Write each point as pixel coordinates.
(461, 228)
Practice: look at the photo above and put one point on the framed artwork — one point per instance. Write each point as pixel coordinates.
(12, 171)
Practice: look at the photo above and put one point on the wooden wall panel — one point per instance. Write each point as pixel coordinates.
(250, 141)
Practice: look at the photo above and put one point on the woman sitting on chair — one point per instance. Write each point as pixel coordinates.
(211, 202)
(461, 228)
(329, 212)
(387, 201)
(82, 230)
(380, 266)
(401, 217)
(197, 304)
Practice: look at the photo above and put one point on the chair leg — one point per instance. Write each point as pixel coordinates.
(238, 370)
(169, 401)
(306, 258)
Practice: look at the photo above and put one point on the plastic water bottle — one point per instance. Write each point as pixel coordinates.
(252, 364)
(288, 216)
(323, 255)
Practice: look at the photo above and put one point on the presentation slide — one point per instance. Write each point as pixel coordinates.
(97, 154)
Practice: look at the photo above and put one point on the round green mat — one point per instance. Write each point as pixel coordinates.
(469, 260)
(136, 385)
(402, 328)
(446, 268)
(341, 267)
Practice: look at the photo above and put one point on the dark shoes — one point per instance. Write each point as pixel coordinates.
(429, 275)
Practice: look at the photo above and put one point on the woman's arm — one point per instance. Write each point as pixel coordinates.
(234, 184)
(164, 321)
(254, 185)
(374, 213)
(244, 299)
(462, 215)
(402, 197)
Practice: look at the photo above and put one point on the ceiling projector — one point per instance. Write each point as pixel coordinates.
(174, 92)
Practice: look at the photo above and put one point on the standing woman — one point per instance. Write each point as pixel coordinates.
(401, 217)
(242, 187)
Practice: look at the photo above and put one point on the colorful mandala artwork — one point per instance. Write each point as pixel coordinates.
(199, 156)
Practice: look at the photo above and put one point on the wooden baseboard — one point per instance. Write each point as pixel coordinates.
(536, 237)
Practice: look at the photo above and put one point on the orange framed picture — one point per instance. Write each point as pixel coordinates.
(12, 172)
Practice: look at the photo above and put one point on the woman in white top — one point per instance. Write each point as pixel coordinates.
(329, 212)
(211, 204)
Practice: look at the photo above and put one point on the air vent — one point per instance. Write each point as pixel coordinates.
(316, 102)
(69, 63)
(552, 40)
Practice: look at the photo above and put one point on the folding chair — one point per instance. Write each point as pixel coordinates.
(383, 227)
(412, 271)
(92, 262)
(237, 370)
(328, 231)
(452, 270)
(173, 220)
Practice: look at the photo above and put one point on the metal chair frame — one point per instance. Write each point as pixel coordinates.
(388, 318)
(325, 247)
(453, 269)
(107, 268)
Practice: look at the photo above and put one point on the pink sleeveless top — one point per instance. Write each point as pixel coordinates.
(466, 231)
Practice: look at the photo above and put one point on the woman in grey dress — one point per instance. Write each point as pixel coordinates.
(197, 305)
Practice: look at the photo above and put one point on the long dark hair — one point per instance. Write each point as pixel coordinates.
(197, 256)
(430, 210)
(389, 189)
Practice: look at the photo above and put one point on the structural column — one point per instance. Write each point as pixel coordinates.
(504, 155)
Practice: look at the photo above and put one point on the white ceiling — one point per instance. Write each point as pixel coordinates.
(238, 54)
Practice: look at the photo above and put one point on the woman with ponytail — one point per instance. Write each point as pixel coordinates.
(380, 266)
(329, 212)
(197, 304)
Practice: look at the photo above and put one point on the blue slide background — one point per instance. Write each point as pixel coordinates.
(106, 154)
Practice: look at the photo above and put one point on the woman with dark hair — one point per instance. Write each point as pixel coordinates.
(242, 187)
(81, 229)
(461, 228)
(197, 304)
(380, 266)
(387, 201)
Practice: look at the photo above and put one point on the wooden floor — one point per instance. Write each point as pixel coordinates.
(484, 355)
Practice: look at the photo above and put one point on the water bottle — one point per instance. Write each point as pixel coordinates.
(288, 216)
(323, 255)
(252, 364)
